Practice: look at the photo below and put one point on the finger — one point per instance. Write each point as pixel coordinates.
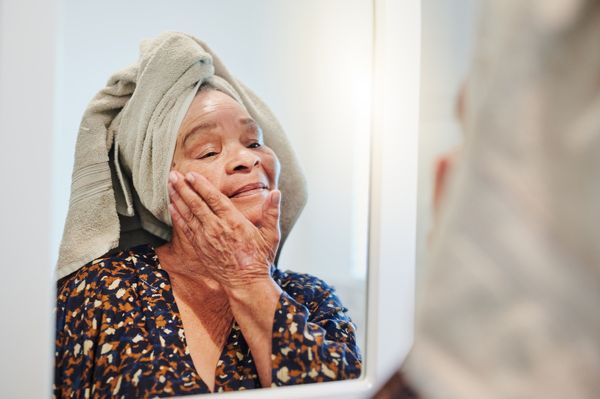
(196, 205)
(216, 201)
(180, 224)
(271, 212)
(179, 205)
(182, 217)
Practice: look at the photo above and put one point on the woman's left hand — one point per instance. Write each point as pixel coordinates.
(231, 249)
(237, 254)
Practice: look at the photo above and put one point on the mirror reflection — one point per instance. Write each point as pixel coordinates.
(189, 174)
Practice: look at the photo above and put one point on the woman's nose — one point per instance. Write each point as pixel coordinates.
(243, 162)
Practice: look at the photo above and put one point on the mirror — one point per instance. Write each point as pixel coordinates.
(310, 61)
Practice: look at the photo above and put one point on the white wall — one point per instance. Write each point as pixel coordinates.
(26, 87)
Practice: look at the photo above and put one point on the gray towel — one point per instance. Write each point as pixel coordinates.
(126, 142)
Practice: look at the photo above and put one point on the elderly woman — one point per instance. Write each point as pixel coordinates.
(168, 284)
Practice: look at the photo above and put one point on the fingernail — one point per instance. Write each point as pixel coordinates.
(190, 177)
(275, 197)
(173, 177)
(171, 189)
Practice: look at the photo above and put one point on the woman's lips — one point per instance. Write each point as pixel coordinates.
(249, 189)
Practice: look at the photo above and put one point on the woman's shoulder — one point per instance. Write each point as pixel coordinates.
(304, 287)
(296, 279)
(105, 270)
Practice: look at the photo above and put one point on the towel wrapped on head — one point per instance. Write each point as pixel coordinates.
(125, 145)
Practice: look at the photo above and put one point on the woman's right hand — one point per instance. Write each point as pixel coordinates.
(231, 249)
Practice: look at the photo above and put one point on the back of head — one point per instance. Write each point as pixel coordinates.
(507, 301)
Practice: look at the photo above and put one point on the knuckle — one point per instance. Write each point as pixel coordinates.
(221, 229)
(234, 225)
(196, 208)
(276, 235)
(178, 222)
(214, 236)
(193, 225)
(187, 215)
(212, 198)
(188, 233)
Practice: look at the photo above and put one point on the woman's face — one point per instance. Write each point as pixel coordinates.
(219, 140)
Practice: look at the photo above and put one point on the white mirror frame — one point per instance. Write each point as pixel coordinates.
(28, 54)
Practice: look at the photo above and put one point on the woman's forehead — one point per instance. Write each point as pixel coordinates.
(215, 113)
(211, 109)
(210, 99)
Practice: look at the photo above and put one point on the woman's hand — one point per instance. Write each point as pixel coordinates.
(235, 253)
(231, 249)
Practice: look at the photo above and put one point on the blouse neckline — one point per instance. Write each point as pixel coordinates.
(164, 286)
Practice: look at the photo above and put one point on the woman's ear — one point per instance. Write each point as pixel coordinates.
(441, 169)
(444, 165)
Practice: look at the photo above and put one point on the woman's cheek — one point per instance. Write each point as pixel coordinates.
(191, 165)
(212, 171)
(272, 167)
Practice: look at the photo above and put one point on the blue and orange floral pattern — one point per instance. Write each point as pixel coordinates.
(119, 334)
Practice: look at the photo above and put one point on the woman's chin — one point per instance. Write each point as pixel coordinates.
(251, 206)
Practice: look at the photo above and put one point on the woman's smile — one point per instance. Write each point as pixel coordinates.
(250, 190)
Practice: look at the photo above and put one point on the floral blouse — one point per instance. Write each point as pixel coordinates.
(119, 334)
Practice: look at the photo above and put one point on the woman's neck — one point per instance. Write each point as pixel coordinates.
(194, 292)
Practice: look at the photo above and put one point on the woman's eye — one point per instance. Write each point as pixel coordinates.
(255, 145)
(207, 155)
